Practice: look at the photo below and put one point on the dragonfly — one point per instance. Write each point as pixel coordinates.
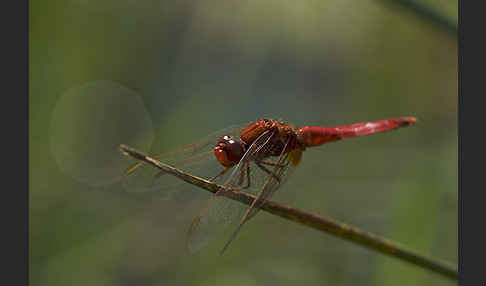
(257, 158)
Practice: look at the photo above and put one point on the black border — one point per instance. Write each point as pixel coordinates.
(472, 147)
(14, 210)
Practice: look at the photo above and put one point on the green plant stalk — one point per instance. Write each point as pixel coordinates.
(328, 225)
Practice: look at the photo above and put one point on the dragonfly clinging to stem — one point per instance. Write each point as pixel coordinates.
(256, 158)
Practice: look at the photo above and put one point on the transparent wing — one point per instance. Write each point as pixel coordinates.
(277, 174)
(280, 172)
(219, 212)
(197, 159)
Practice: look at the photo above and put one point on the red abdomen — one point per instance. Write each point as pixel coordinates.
(310, 136)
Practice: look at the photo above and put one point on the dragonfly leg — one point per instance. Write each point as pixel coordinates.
(271, 164)
(248, 181)
(220, 173)
(268, 171)
(248, 176)
(242, 175)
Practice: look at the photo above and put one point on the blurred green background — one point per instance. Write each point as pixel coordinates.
(199, 66)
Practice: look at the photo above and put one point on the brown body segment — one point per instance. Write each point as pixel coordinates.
(255, 129)
(229, 151)
(286, 135)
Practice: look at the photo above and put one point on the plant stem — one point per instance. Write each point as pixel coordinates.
(328, 225)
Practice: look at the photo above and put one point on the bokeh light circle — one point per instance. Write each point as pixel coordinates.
(88, 125)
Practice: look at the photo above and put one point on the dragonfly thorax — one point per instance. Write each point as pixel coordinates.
(229, 151)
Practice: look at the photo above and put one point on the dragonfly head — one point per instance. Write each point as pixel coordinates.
(229, 151)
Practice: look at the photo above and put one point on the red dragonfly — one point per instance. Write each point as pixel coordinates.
(260, 156)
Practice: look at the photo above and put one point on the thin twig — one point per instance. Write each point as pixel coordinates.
(328, 225)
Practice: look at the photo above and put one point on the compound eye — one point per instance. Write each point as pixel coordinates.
(228, 151)
(224, 139)
(221, 156)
